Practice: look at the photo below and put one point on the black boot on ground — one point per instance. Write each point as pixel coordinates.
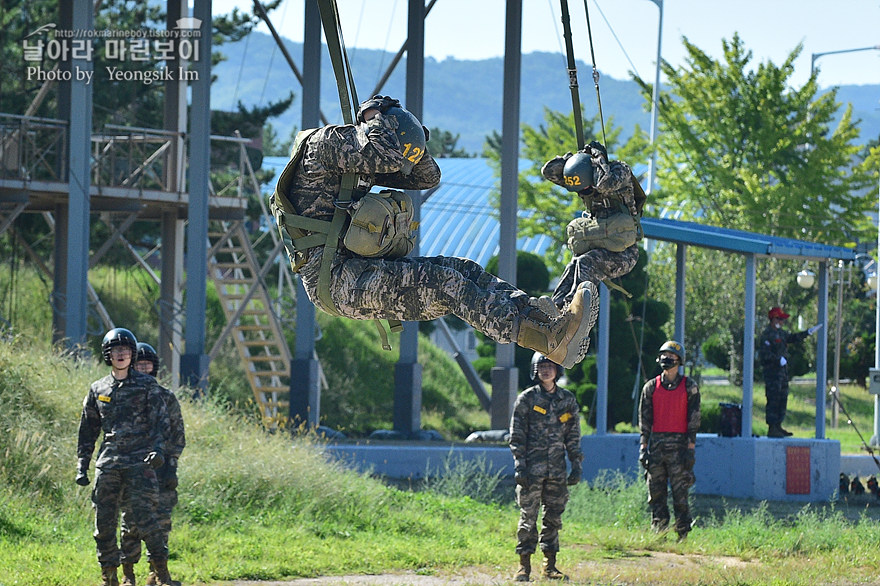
(128, 574)
(551, 572)
(525, 568)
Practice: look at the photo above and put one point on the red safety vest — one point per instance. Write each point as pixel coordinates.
(670, 407)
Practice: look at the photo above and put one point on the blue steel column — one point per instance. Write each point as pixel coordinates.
(407, 417)
(604, 337)
(680, 273)
(305, 390)
(505, 375)
(73, 306)
(822, 351)
(194, 364)
(749, 347)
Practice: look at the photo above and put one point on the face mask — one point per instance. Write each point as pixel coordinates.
(666, 362)
(777, 325)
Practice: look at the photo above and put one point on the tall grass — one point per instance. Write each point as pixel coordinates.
(261, 506)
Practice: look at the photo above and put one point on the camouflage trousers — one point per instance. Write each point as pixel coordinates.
(552, 493)
(669, 466)
(593, 266)
(140, 484)
(130, 541)
(419, 289)
(776, 391)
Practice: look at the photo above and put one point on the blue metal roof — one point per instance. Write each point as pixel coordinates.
(740, 241)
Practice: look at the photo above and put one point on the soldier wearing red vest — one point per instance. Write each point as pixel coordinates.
(669, 417)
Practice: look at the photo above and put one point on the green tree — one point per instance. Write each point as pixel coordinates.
(443, 144)
(742, 147)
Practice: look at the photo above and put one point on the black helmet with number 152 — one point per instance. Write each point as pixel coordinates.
(578, 172)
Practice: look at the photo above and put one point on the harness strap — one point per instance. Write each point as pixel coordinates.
(344, 84)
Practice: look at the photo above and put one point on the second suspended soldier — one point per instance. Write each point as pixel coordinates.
(604, 240)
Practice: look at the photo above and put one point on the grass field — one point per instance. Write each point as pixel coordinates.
(259, 506)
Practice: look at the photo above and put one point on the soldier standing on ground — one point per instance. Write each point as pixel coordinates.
(773, 352)
(669, 417)
(545, 426)
(604, 241)
(356, 265)
(175, 440)
(128, 408)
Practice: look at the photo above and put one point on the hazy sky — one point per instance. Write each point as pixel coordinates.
(624, 31)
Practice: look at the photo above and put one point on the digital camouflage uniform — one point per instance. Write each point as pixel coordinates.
(406, 289)
(175, 441)
(670, 460)
(773, 346)
(544, 428)
(611, 194)
(131, 413)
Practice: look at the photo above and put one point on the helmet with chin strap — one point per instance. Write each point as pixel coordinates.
(147, 352)
(538, 358)
(672, 347)
(118, 337)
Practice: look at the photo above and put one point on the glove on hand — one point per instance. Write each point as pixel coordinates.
(689, 458)
(381, 103)
(782, 361)
(814, 329)
(521, 479)
(82, 472)
(169, 476)
(644, 459)
(575, 476)
(596, 150)
(155, 460)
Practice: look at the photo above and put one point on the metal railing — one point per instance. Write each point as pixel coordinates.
(33, 149)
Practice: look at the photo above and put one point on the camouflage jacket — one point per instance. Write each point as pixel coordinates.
(646, 408)
(774, 345)
(370, 150)
(613, 186)
(543, 428)
(175, 438)
(131, 413)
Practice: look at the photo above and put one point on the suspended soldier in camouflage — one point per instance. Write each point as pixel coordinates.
(387, 147)
(604, 240)
(544, 427)
(175, 441)
(669, 417)
(128, 408)
(773, 353)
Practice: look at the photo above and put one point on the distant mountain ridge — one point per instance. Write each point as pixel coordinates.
(461, 96)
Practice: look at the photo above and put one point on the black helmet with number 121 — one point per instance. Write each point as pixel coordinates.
(412, 136)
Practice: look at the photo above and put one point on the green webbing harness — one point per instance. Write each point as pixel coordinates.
(329, 233)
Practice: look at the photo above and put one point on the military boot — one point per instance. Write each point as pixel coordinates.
(775, 430)
(545, 304)
(525, 568)
(108, 576)
(162, 574)
(128, 574)
(551, 572)
(152, 579)
(565, 339)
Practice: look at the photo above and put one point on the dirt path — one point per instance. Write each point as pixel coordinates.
(642, 567)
